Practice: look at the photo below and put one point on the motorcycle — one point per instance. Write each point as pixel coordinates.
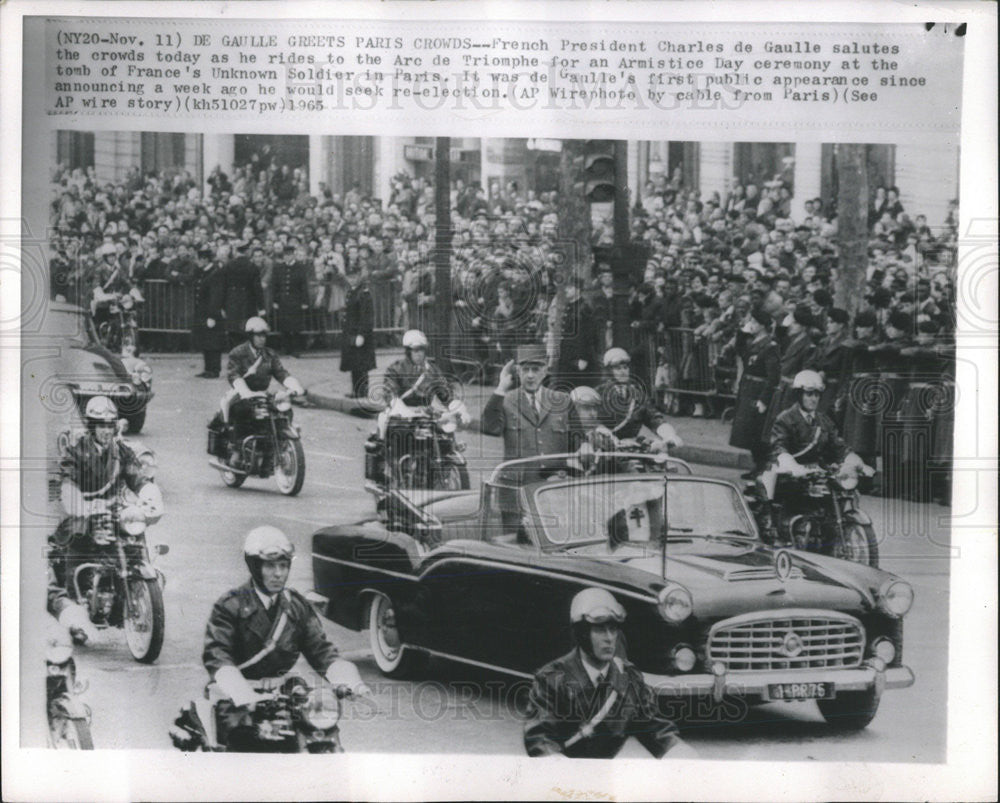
(114, 579)
(295, 718)
(69, 718)
(272, 445)
(818, 510)
(606, 442)
(120, 332)
(415, 447)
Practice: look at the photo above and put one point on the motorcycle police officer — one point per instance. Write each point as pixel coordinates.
(587, 703)
(625, 408)
(802, 435)
(258, 630)
(413, 378)
(94, 471)
(249, 370)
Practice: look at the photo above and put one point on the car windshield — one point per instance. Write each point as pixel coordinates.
(71, 325)
(632, 510)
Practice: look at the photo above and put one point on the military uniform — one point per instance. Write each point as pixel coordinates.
(255, 368)
(625, 407)
(359, 319)
(553, 428)
(797, 356)
(564, 699)
(809, 442)
(581, 340)
(207, 287)
(290, 291)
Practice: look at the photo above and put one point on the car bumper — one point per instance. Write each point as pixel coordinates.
(872, 674)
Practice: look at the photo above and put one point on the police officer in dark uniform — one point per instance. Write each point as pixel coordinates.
(589, 702)
(580, 344)
(413, 378)
(761, 372)
(833, 358)
(249, 371)
(624, 406)
(259, 630)
(290, 293)
(95, 470)
(242, 294)
(797, 355)
(357, 351)
(207, 332)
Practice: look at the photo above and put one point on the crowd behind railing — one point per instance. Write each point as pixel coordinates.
(713, 263)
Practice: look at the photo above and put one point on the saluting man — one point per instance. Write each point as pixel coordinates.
(533, 419)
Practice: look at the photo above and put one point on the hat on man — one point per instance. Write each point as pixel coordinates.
(900, 320)
(838, 315)
(803, 316)
(532, 354)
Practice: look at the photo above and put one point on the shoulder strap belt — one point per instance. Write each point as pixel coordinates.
(628, 415)
(587, 728)
(253, 368)
(415, 385)
(815, 439)
(115, 467)
(270, 644)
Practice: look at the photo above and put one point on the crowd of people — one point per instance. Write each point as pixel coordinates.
(733, 285)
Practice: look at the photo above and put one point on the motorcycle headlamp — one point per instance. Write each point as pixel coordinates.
(448, 426)
(133, 520)
(57, 653)
(127, 302)
(321, 709)
(674, 603)
(848, 480)
(895, 597)
(260, 409)
(282, 402)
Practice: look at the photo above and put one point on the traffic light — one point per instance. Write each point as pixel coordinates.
(599, 170)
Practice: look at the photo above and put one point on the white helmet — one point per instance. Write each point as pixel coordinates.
(584, 394)
(616, 356)
(267, 543)
(256, 326)
(414, 339)
(595, 605)
(101, 408)
(808, 380)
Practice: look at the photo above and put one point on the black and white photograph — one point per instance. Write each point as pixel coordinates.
(495, 442)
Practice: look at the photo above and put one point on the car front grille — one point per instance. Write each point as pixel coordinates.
(800, 639)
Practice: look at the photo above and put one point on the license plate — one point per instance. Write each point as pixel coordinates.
(801, 691)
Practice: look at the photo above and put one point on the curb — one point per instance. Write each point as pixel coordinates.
(704, 454)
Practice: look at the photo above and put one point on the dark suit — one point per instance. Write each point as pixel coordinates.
(563, 698)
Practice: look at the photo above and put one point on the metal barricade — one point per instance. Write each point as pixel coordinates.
(691, 365)
(169, 310)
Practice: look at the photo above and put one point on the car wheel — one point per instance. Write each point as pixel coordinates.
(392, 656)
(851, 710)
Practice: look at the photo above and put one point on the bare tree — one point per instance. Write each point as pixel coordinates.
(852, 224)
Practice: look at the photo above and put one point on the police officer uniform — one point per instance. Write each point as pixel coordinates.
(256, 368)
(625, 407)
(262, 642)
(808, 437)
(207, 286)
(359, 319)
(416, 384)
(566, 701)
(290, 291)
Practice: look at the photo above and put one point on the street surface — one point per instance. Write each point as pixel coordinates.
(455, 709)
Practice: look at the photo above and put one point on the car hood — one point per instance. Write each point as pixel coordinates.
(726, 578)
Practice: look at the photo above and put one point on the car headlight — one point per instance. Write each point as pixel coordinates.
(683, 658)
(884, 649)
(895, 597)
(321, 710)
(133, 520)
(674, 603)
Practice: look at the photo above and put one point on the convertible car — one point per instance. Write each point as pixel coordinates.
(712, 612)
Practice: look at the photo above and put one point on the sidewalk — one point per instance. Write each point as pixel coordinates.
(706, 441)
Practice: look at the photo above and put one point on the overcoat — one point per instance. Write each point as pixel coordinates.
(761, 372)
(359, 319)
(207, 293)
